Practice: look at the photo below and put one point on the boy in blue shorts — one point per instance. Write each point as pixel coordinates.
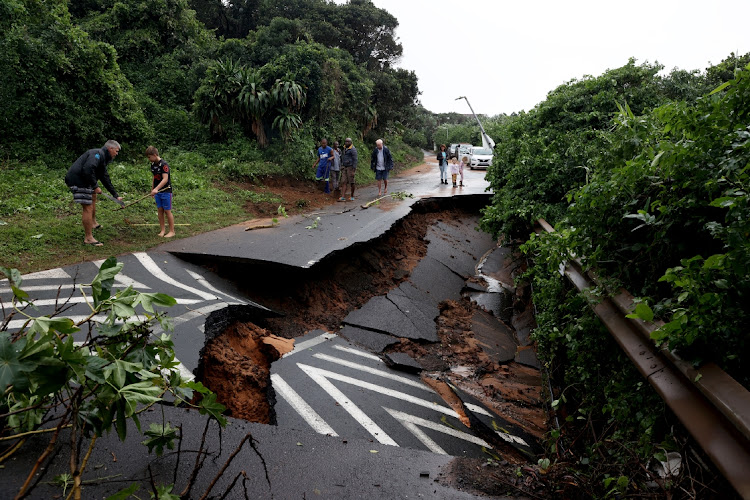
(161, 190)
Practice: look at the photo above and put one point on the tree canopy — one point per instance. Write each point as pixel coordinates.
(87, 70)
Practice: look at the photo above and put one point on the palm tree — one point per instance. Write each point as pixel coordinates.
(292, 97)
(254, 102)
(215, 98)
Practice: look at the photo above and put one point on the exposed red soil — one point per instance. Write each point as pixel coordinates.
(513, 391)
(237, 367)
(322, 297)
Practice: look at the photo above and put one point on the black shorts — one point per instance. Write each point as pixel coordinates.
(82, 195)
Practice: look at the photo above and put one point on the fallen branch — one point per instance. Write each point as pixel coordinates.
(153, 224)
(262, 226)
(398, 195)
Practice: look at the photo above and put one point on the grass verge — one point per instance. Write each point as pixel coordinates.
(40, 226)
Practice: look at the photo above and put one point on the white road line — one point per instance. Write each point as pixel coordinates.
(372, 371)
(40, 288)
(478, 409)
(404, 380)
(81, 300)
(187, 375)
(411, 421)
(511, 438)
(203, 281)
(48, 274)
(358, 352)
(178, 320)
(310, 343)
(18, 323)
(203, 311)
(158, 273)
(300, 406)
(421, 435)
(380, 390)
(125, 280)
(348, 405)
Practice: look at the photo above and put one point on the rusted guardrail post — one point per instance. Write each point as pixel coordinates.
(713, 407)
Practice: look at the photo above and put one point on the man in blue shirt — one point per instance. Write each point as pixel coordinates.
(323, 163)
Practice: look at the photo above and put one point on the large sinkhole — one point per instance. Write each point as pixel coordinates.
(362, 293)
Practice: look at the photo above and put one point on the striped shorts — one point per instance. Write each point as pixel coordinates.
(82, 195)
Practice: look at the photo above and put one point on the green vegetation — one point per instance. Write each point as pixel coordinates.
(223, 111)
(645, 178)
(40, 226)
(94, 386)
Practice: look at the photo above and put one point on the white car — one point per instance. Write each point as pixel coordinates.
(463, 150)
(480, 158)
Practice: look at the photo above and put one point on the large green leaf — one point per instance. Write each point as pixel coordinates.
(11, 366)
(44, 325)
(160, 436)
(141, 392)
(210, 406)
(149, 300)
(102, 285)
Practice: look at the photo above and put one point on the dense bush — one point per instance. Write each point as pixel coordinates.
(60, 89)
(648, 185)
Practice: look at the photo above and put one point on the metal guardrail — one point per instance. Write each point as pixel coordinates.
(712, 406)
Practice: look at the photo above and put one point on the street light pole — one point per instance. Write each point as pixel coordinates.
(485, 138)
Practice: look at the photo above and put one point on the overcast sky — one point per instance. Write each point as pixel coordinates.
(505, 56)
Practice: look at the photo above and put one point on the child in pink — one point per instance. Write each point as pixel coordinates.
(455, 169)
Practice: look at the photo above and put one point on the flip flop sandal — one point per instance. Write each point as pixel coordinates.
(98, 226)
(94, 243)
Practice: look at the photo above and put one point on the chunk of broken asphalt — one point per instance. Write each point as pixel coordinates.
(494, 337)
(402, 361)
(381, 315)
(370, 340)
(528, 357)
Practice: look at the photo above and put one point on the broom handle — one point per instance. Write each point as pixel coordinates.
(140, 199)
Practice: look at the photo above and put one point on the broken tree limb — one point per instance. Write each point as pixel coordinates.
(370, 203)
(398, 195)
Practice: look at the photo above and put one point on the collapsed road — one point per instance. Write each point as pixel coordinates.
(412, 338)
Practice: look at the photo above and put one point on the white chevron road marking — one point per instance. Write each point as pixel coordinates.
(412, 423)
(300, 406)
(321, 378)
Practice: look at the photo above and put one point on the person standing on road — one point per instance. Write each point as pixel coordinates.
(349, 168)
(82, 178)
(454, 170)
(325, 153)
(381, 162)
(161, 190)
(442, 158)
(336, 166)
(464, 163)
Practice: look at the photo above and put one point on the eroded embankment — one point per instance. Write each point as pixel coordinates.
(236, 360)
